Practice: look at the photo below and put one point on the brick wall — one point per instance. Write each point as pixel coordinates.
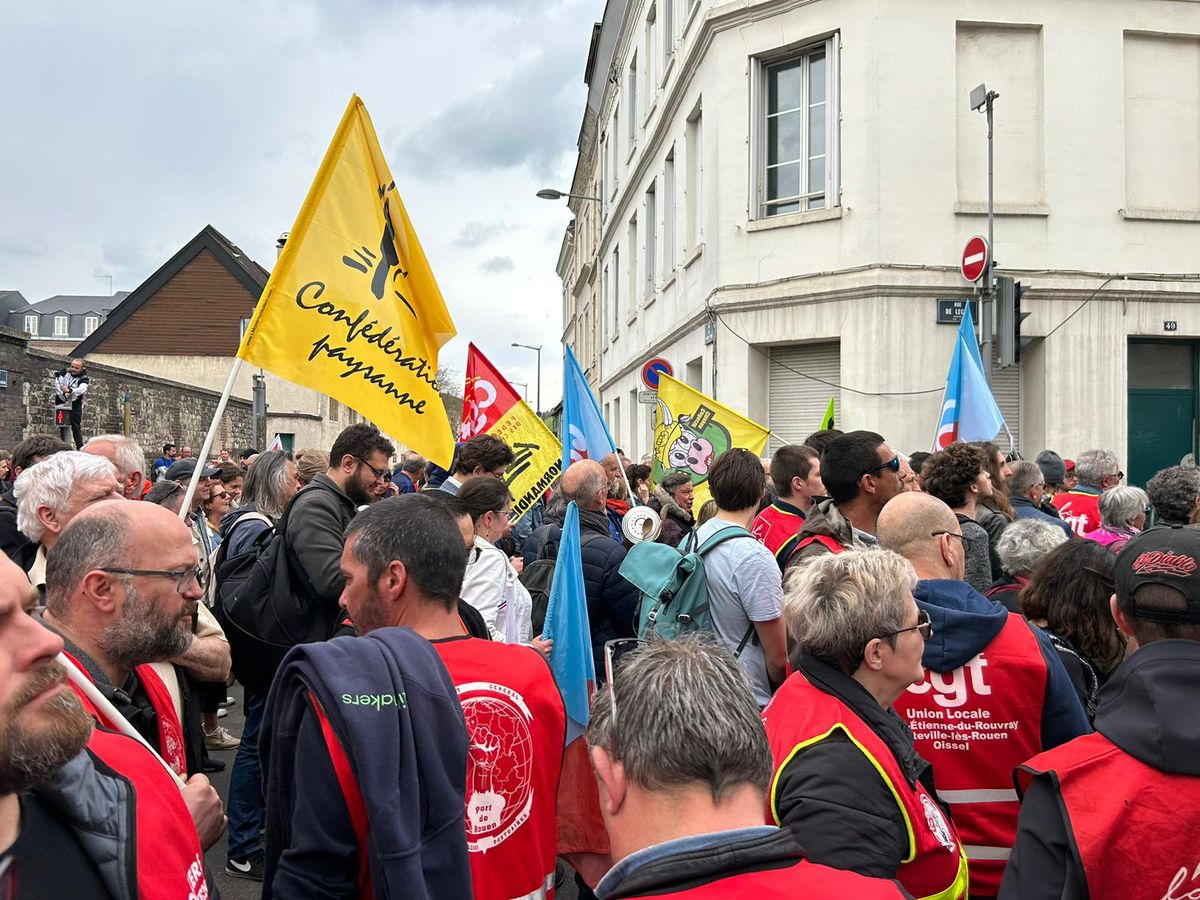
(160, 411)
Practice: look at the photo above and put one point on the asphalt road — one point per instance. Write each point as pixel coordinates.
(240, 888)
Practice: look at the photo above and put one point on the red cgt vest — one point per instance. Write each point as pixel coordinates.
(167, 856)
(1134, 826)
(801, 715)
(804, 879)
(1080, 510)
(776, 529)
(975, 725)
(517, 725)
(170, 732)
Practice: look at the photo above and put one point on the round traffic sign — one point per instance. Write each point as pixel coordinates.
(651, 370)
(974, 259)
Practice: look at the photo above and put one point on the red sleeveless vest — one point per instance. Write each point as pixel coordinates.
(800, 715)
(804, 879)
(517, 725)
(775, 529)
(168, 858)
(170, 732)
(1135, 827)
(975, 725)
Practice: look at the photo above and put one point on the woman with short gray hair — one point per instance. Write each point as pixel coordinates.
(843, 758)
(1122, 514)
(1020, 549)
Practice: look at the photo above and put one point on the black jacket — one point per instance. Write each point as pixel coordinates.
(15, 545)
(315, 534)
(1150, 708)
(611, 600)
(834, 801)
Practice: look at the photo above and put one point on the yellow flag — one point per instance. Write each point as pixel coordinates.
(352, 308)
(537, 455)
(692, 430)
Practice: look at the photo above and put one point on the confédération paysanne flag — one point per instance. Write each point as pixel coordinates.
(491, 406)
(352, 308)
(692, 430)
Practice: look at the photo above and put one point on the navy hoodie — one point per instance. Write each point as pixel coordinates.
(965, 622)
(392, 704)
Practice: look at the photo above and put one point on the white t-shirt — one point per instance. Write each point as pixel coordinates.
(492, 587)
(744, 586)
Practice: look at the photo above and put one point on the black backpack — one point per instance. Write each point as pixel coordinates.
(538, 576)
(265, 608)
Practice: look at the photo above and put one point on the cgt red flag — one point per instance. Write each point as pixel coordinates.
(487, 396)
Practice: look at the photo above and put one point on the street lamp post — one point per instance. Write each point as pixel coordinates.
(552, 194)
(982, 99)
(538, 350)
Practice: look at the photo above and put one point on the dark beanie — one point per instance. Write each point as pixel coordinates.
(1053, 469)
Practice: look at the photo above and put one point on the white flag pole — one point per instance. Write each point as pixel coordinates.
(202, 459)
(110, 712)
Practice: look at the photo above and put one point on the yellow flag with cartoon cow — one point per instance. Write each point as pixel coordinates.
(691, 430)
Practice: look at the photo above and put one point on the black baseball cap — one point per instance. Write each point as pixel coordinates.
(1167, 555)
(183, 469)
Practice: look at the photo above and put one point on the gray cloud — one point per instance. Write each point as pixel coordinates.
(520, 120)
(23, 245)
(498, 264)
(474, 234)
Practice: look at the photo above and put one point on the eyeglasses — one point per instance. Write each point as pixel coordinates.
(380, 474)
(961, 537)
(1120, 475)
(184, 577)
(614, 652)
(924, 626)
(892, 464)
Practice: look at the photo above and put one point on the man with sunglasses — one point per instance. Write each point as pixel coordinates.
(994, 693)
(860, 473)
(317, 518)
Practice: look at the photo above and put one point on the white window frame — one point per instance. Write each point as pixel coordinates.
(670, 213)
(633, 253)
(631, 99)
(667, 27)
(830, 191)
(31, 324)
(693, 189)
(90, 324)
(649, 63)
(615, 286)
(650, 230)
(62, 326)
(614, 164)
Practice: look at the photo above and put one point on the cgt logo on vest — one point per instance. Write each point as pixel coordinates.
(950, 689)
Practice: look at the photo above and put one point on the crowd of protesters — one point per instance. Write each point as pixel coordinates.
(933, 676)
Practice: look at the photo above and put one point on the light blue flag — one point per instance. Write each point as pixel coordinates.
(567, 624)
(969, 410)
(584, 433)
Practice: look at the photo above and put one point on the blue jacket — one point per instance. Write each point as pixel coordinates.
(965, 622)
(1027, 509)
(395, 712)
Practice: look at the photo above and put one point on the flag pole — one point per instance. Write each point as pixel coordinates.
(202, 459)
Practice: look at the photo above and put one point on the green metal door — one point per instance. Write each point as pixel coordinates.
(1162, 406)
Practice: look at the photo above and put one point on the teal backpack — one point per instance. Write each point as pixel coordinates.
(674, 587)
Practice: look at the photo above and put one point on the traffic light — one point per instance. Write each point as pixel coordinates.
(1008, 321)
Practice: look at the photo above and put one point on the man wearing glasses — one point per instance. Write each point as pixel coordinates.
(122, 588)
(1097, 471)
(860, 473)
(994, 694)
(317, 518)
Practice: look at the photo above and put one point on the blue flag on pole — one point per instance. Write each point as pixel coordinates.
(969, 411)
(567, 624)
(584, 433)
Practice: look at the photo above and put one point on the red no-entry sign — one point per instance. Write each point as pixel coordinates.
(974, 259)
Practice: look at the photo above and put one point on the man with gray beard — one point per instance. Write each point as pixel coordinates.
(122, 585)
(83, 811)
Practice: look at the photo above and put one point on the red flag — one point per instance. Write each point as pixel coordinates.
(487, 396)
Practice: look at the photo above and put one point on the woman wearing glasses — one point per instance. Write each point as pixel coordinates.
(847, 780)
(491, 584)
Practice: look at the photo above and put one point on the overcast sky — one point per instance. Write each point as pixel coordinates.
(130, 126)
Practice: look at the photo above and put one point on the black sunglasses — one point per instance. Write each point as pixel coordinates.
(923, 625)
(893, 464)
